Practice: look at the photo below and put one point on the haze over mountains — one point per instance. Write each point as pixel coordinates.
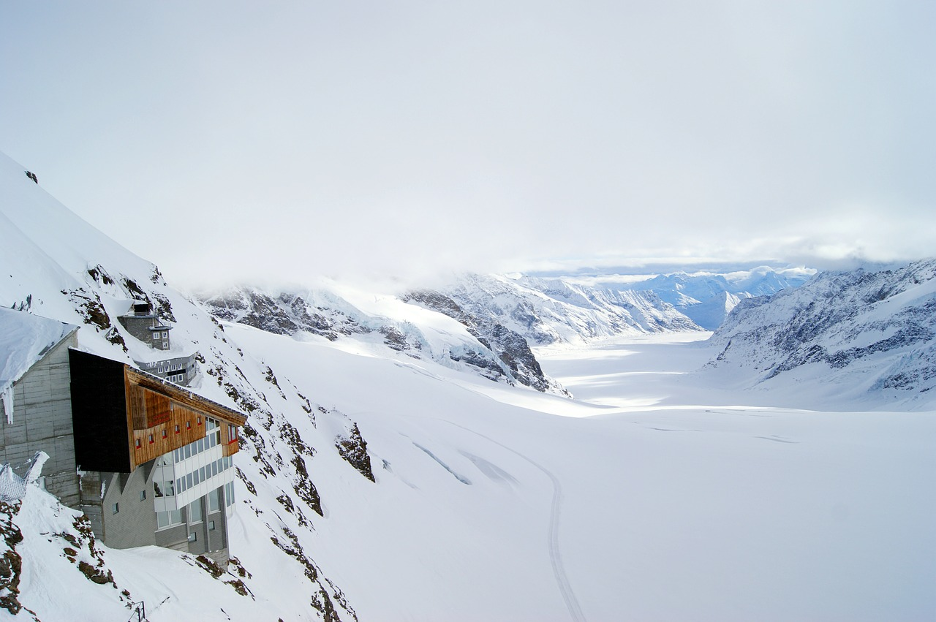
(403, 457)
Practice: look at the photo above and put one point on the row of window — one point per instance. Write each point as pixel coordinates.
(161, 367)
(212, 439)
(188, 448)
(194, 510)
(160, 335)
(198, 476)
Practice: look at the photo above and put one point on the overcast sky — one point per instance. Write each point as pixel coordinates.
(238, 140)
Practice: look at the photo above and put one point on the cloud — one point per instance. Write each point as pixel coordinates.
(408, 139)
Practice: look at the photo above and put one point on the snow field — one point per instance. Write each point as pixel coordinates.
(691, 506)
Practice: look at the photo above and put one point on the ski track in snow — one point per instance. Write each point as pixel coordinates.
(562, 581)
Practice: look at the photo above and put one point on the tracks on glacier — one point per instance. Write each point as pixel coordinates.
(555, 557)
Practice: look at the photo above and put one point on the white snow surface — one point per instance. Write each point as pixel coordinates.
(657, 494)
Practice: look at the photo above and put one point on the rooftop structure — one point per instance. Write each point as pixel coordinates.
(142, 323)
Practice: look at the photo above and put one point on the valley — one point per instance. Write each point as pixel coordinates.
(650, 496)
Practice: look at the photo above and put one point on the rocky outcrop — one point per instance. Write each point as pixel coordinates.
(286, 314)
(496, 352)
(510, 347)
(878, 324)
(545, 311)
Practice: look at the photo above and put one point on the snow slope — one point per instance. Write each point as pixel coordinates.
(867, 335)
(377, 486)
(421, 330)
(549, 311)
(707, 297)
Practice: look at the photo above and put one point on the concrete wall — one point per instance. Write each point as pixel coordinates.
(138, 326)
(134, 524)
(210, 542)
(42, 420)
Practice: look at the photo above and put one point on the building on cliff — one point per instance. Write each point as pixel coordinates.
(149, 462)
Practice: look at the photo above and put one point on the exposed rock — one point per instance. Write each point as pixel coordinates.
(354, 450)
(546, 311)
(880, 324)
(510, 347)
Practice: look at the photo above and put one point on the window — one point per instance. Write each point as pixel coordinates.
(188, 425)
(232, 434)
(161, 489)
(199, 420)
(187, 452)
(115, 508)
(188, 481)
(214, 500)
(211, 525)
(142, 495)
(177, 430)
(165, 434)
(201, 474)
(195, 511)
(156, 336)
(192, 536)
(165, 345)
(138, 444)
(168, 519)
(151, 439)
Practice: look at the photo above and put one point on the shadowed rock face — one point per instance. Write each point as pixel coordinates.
(286, 314)
(510, 347)
(881, 323)
(500, 353)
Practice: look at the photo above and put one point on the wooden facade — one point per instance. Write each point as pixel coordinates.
(154, 417)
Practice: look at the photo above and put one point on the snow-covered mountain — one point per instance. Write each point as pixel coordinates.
(57, 266)
(373, 485)
(871, 332)
(433, 327)
(547, 311)
(708, 297)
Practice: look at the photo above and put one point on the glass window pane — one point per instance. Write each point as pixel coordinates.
(195, 513)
